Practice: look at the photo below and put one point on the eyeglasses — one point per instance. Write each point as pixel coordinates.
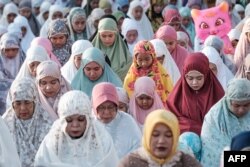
(110, 108)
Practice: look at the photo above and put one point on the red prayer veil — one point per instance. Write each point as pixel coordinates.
(191, 106)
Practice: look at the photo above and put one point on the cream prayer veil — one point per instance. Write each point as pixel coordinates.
(94, 149)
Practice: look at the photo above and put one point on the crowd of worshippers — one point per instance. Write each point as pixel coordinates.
(123, 83)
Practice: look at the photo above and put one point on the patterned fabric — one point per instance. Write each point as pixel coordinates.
(27, 134)
(94, 148)
(56, 27)
(221, 125)
(83, 83)
(50, 68)
(156, 72)
(76, 13)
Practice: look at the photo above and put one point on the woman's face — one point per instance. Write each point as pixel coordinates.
(144, 60)
(137, 13)
(49, 86)
(119, 25)
(213, 68)
(106, 112)
(182, 43)
(195, 80)
(176, 25)
(32, 68)
(59, 40)
(234, 43)
(24, 109)
(26, 12)
(78, 60)
(145, 102)
(11, 17)
(171, 44)
(57, 15)
(24, 31)
(94, 4)
(123, 106)
(93, 71)
(161, 59)
(161, 141)
(240, 108)
(45, 15)
(131, 36)
(79, 24)
(10, 53)
(76, 125)
(185, 21)
(158, 8)
(107, 38)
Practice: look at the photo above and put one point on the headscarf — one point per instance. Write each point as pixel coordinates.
(29, 36)
(193, 141)
(240, 141)
(35, 53)
(242, 48)
(244, 68)
(118, 15)
(43, 9)
(82, 82)
(32, 21)
(69, 69)
(122, 95)
(179, 54)
(234, 34)
(46, 44)
(27, 134)
(14, 28)
(191, 106)
(186, 12)
(3, 30)
(123, 129)
(9, 156)
(221, 125)
(8, 9)
(96, 14)
(191, 3)
(169, 120)
(50, 68)
(182, 36)
(149, 89)
(224, 75)
(94, 148)
(168, 62)
(128, 25)
(76, 13)
(45, 28)
(11, 65)
(164, 84)
(146, 33)
(120, 64)
(56, 27)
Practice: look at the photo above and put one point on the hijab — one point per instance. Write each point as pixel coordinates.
(9, 8)
(244, 68)
(82, 82)
(43, 9)
(191, 106)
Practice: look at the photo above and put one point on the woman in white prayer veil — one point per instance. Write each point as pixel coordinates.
(142, 21)
(10, 10)
(28, 35)
(55, 12)
(8, 152)
(70, 69)
(76, 139)
(165, 58)
(221, 71)
(44, 8)
(35, 55)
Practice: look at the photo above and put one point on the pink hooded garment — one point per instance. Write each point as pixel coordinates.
(148, 89)
(44, 42)
(179, 54)
(45, 69)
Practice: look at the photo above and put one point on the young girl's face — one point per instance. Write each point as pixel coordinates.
(93, 71)
(76, 125)
(107, 38)
(49, 86)
(195, 80)
(26, 12)
(131, 36)
(185, 21)
(59, 40)
(182, 43)
(11, 17)
(145, 102)
(144, 61)
(57, 15)
(10, 53)
(171, 44)
(79, 24)
(137, 13)
(32, 68)
(78, 60)
(94, 4)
